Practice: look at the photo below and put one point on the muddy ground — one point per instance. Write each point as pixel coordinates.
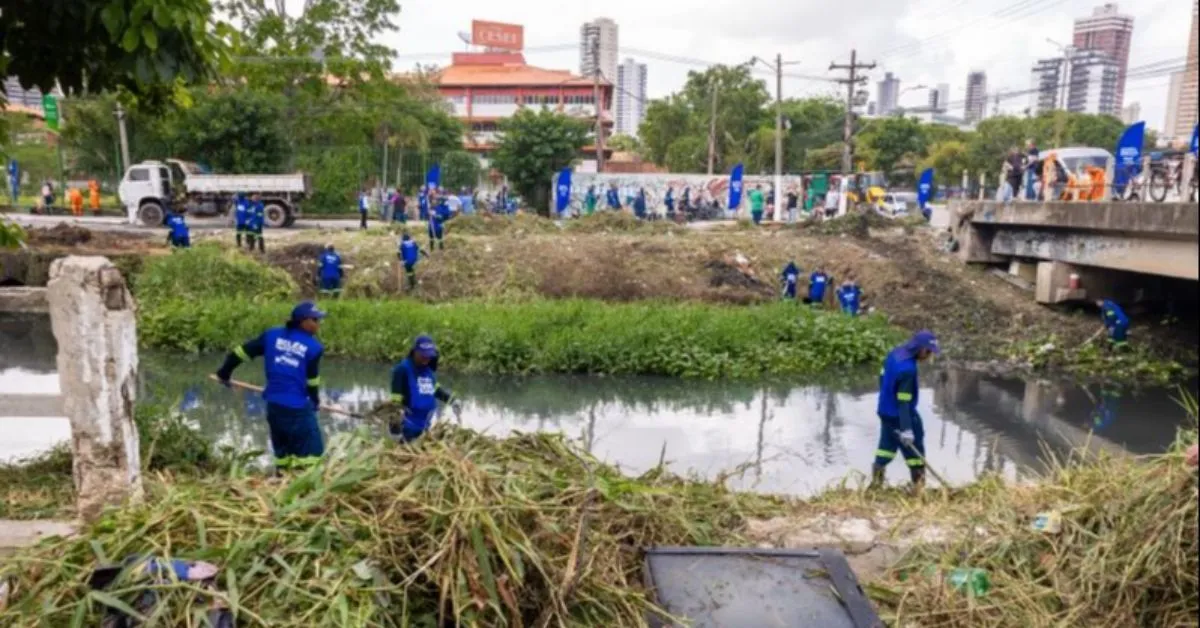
(904, 274)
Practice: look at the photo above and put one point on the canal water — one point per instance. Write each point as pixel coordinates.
(783, 437)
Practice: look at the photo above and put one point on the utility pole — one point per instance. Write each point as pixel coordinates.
(848, 128)
(712, 131)
(124, 139)
(599, 104)
(778, 138)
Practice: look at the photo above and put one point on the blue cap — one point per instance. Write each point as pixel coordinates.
(307, 310)
(424, 347)
(925, 339)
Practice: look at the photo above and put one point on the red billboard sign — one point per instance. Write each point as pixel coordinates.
(497, 35)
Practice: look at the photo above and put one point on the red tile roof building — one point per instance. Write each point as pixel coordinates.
(485, 87)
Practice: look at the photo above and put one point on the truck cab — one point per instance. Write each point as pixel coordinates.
(146, 193)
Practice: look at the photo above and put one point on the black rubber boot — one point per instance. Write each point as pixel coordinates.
(877, 477)
(239, 240)
(262, 245)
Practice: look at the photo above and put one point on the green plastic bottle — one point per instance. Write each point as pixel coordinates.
(974, 581)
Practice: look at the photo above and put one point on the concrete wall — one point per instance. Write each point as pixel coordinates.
(1178, 220)
(709, 187)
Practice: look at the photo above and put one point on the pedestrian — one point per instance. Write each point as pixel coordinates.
(399, 208)
(817, 282)
(76, 199)
(178, 235)
(364, 206)
(255, 220)
(47, 196)
(502, 199)
(1116, 323)
(900, 423)
(416, 391)
(437, 220)
(833, 199)
(639, 204)
(1014, 174)
(241, 213)
(466, 200)
(849, 296)
(331, 273)
(94, 196)
(423, 203)
(1032, 167)
(669, 202)
(756, 204)
(790, 277)
(613, 198)
(409, 253)
(685, 202)
(793, 202)
(291, 360)
(589, 201)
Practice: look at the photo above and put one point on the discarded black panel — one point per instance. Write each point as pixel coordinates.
(723, 587)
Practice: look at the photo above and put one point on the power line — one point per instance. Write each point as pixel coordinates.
(1008, 15)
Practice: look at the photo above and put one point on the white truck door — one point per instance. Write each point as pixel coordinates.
(136, 185)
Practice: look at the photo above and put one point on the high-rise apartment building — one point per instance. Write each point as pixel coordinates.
(1110, 32)
(1086, 82)
(630, 96)
(1187, 99)
(1174, 97)
(17, 95)
(939, 98)
(976, 97)
(598, 48)
(888, 94)
(1131, 113)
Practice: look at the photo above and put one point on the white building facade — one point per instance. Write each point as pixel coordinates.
(630, 96)
(598, 41)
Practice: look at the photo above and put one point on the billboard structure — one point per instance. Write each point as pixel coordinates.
(497, 35)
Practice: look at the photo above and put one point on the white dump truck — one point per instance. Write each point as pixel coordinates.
(150, 186)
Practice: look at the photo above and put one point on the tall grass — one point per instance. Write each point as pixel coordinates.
(207, 271)
(568, 336)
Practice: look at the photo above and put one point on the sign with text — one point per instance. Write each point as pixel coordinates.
(497, 35)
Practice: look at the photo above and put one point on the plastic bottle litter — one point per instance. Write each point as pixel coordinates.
(1047, 522)
(975, 582)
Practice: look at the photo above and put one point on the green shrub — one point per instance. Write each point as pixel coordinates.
(210, 272)
(570, 336)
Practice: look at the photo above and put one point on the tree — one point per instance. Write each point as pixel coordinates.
(825, 158)
(1095, 131)
(666, 121)
(888, 140)
(687, 154)
(992, 140)
(814, 123)
(534, 146)
(144, 47)
(460, 169)
(234, 131)
(623, 143)
(948, 160)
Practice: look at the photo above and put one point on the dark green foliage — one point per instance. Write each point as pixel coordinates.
(535, 145)
(460, 169)
(232, 131)
(209, 272)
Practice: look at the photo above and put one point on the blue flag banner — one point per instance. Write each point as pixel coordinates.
(925, 188)
(1196, 140)
(562, 191)
(1129, 154)
(14, 179)
(735, 187)
(433, 178)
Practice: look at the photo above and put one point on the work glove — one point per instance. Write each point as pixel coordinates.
(907, 438)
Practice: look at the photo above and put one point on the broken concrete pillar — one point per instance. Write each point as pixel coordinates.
(92, 316)
(1054, 283)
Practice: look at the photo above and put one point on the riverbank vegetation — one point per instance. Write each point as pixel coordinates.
(483, 531)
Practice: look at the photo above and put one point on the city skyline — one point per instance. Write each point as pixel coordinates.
(630, 96)
(926, 42)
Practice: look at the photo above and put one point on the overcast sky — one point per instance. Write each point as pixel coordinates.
(920, 41)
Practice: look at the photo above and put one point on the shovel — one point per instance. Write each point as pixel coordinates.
(252, 388)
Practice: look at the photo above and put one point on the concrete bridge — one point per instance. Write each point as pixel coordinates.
(1099, 243)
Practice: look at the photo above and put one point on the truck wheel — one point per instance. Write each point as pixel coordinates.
(151, 214)
(291, 219)
(275, 215)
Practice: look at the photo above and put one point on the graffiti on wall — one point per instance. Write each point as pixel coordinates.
(702, 187)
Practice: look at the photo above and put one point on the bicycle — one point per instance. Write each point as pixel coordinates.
(1167, 176)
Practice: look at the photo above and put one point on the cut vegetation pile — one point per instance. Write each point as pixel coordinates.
(461, 530)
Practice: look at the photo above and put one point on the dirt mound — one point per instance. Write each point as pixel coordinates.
(300, 261)
(619, 222)
(729, 272)
(62, 234)
(492, 224)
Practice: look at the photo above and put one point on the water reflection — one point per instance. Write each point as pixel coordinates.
(784, 436)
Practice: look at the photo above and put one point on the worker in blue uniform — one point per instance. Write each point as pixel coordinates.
(437, 224)
(613, 198)
(416, 391)
(669, 202)
(291, 358)
(410, 253)
(330, 273)
(790, 277)
(241, 211)
(818, 281)
(849, 296)
(639, 204)
(179, 236)
(255, 219)
(1116, 323)
(423, 203)
(901, 428)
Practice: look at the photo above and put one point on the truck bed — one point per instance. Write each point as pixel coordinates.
(294, 184)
